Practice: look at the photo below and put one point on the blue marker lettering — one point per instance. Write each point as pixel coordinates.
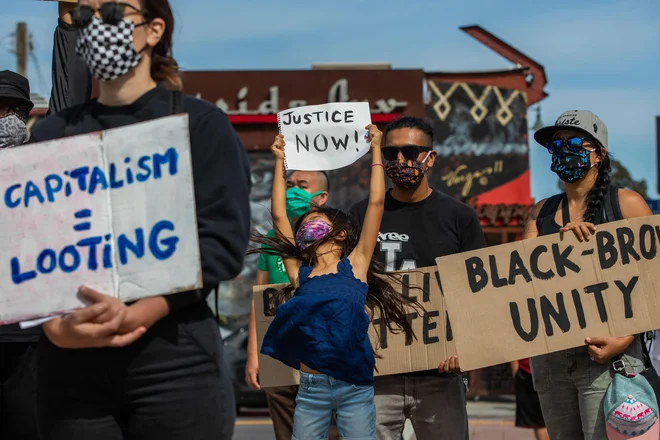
(107, 253)
(52, 263)
(80, 174)
(169, 243)
(32, 190)
(8, 201)
(53, 185)
(16, 276)
(143, 164)
(98, 178)
(124, 243)
(114, 183)
(92, 242)
(170, 156)
(69, 250)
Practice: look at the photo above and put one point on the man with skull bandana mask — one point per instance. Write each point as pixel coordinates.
(420, 224)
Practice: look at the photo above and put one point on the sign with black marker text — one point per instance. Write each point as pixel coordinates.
(113, 210)
(550, 293)
(433, 343)
(325, 137)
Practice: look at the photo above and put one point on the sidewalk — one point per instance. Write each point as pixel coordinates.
(489, 421)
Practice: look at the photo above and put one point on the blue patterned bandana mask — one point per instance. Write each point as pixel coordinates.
(571, 166)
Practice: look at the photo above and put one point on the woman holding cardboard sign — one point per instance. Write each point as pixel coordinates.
(151, 369)
(572, 383)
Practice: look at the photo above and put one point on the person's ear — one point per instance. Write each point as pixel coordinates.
(155, 31)
(600, 156)
(431, 159)
(321, 199)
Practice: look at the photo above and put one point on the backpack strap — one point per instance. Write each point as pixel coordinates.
(176, 102)
(548, 208)
(612, 207)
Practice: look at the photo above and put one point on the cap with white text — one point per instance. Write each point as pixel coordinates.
(582, 121)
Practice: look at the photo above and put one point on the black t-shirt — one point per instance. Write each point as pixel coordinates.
(221, 176)
(413, 235)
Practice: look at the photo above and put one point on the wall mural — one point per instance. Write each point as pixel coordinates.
(480, 135)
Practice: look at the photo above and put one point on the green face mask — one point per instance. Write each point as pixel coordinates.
(298, 201)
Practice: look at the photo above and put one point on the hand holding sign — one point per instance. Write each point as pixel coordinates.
(374, 137)
(325, 137)
(95, 326)
(582, 230)
(603, 349)
(278, 147)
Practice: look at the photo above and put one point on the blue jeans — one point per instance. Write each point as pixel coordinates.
(319, 395)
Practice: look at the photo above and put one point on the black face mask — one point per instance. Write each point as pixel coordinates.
(571, 166)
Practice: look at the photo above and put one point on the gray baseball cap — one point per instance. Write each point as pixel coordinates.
(578, 120)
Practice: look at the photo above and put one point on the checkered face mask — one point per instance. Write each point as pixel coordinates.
(108, 49)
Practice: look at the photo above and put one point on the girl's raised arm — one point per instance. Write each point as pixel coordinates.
(278, 208)
(361, 255)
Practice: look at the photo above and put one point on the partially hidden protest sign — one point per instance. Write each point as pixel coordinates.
(113, 210)
(325, 137)
(550, 293)
(433, 343)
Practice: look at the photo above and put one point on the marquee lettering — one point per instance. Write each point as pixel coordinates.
(338, 92)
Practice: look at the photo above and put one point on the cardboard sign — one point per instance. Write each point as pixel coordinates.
(113, 210)
(550, 293)
(399, 354)
(325, 137)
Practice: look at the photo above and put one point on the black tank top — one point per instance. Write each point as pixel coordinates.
(546, 223)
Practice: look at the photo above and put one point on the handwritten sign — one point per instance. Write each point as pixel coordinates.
(399, 353)
(113, 210)
(548, 294)
(325, 137)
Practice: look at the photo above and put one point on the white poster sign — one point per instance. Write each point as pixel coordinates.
(113, 210)
(325, 137)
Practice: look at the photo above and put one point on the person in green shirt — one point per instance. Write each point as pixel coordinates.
(304, 189)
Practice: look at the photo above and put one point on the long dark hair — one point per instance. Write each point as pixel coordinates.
(382, 297)
(596, 195)
(164, 68)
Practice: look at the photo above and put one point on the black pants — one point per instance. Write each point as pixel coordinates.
(172, 384)
(18, 391)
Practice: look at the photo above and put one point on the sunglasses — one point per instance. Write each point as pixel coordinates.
(574, 145)
(409, 152)
(111, 13)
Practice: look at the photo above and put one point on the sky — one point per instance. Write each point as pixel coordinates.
(599, 55)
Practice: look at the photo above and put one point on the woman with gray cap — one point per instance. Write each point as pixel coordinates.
(572, 383)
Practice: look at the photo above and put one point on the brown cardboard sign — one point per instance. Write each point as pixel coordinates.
(550, 293)
(399, 354)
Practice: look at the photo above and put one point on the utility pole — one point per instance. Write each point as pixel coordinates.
(21, 48)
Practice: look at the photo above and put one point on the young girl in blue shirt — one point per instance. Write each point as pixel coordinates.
(323, 329)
